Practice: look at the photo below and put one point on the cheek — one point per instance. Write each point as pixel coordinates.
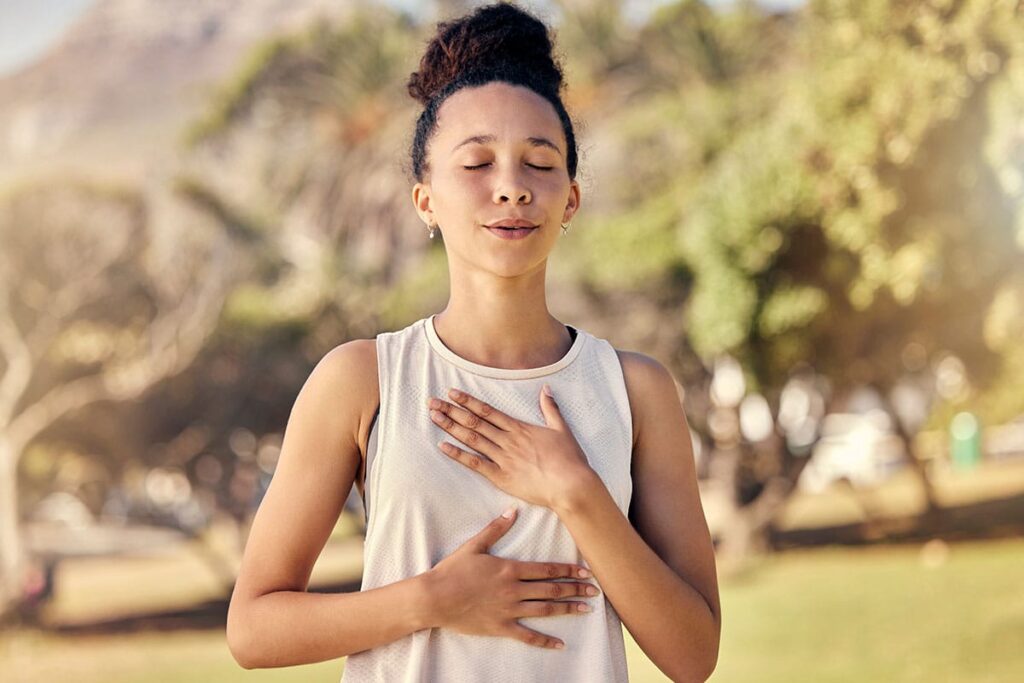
(462, 186)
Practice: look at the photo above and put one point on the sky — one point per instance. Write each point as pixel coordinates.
(29, 27)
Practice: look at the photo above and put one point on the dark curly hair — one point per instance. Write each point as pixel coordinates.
(497, 42)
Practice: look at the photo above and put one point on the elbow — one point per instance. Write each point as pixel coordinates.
(708, 669)
(239, 639)
(239, 649)
(698, 667)
(689, 672)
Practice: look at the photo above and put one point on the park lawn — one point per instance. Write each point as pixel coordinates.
(829, 614)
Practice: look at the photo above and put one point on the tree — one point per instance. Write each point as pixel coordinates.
(93, 307)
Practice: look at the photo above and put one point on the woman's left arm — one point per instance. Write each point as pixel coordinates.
(658, 571)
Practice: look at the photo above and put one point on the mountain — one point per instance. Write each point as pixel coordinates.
(113, 92)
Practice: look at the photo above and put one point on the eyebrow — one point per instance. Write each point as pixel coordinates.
(484, 139)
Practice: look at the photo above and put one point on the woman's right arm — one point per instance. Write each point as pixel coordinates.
(272, 620)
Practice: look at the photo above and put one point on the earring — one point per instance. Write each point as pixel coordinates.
(565, 227)
(433, 230)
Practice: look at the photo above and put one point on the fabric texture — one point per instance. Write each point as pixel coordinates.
(422, 505)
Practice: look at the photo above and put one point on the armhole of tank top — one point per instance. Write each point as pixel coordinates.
(621, 390)
(371, 451)
(621, 381)
(371, 482)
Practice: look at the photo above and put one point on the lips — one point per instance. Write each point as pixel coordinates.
(511, 233)
(512, 223)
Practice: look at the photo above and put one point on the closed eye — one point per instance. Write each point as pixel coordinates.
(539, 168)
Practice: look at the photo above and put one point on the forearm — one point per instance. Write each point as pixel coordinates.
(286, 628)
(669, 619)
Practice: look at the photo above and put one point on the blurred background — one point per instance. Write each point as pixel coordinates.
(811, 212)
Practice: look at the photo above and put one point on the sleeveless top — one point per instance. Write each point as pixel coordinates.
(422, 505)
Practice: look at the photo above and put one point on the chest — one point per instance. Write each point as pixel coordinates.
(417, 488)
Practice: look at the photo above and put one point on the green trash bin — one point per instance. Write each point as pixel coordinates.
(965, 441)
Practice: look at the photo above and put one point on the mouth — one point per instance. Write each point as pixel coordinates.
(511, 232)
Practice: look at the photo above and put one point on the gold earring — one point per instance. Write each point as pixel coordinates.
(565, 227)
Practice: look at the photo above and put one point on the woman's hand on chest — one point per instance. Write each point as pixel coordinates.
(541, 464)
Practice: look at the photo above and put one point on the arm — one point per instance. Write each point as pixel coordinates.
(272, 620)
(660, 576)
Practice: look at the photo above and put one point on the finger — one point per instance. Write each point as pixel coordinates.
(484, 539)
(551, 608)
(470, 460)
(531, 637)
(469, 419)
(483, 409)
(552, 413)
(549, 570)
(466, 427)
(553, 590)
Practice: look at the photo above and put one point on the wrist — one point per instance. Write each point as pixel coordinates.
(425, 609)
(574, 497)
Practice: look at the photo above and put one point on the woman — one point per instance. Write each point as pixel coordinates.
(448, 424)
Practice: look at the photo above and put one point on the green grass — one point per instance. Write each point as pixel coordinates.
(878, 614)
(833, 614)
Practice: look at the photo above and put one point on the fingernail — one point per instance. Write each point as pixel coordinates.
(584, 572)
(547, 389)
(507, 514)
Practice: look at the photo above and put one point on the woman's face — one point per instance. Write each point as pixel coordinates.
(514, 139)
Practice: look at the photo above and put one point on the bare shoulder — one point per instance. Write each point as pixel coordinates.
(647, 380)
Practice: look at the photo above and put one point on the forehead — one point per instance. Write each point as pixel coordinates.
(506, 112)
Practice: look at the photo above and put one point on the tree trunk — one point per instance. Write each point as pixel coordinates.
(933, 517)
(745, 535)
(12, 549)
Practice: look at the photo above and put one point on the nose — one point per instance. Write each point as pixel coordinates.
(510, 185)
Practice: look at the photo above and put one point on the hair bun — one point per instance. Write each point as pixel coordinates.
(500, 36)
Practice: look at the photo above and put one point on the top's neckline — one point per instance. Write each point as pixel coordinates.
(501, 373)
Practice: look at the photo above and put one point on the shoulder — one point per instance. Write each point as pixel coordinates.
(649, 385)
(641, 369)
(353, 362)
(346, 377)
(351, 356)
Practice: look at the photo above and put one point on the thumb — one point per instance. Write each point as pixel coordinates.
(483, 541)
(552, 414)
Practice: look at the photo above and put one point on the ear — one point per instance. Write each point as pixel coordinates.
(421, 200)
(572, 205)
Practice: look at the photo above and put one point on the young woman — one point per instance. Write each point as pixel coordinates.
(448, 424)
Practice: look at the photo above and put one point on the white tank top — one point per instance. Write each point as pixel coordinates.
(425, 505)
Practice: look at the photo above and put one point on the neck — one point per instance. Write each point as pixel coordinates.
(502, 333)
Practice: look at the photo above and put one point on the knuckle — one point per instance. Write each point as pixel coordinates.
(473, 421)
(552, 569)
(471, 438)
(474, 463)
(550, 608)
(486, 409)
(555, 590)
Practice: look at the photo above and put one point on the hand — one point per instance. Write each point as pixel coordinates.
(541, 464)
(478, 593)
